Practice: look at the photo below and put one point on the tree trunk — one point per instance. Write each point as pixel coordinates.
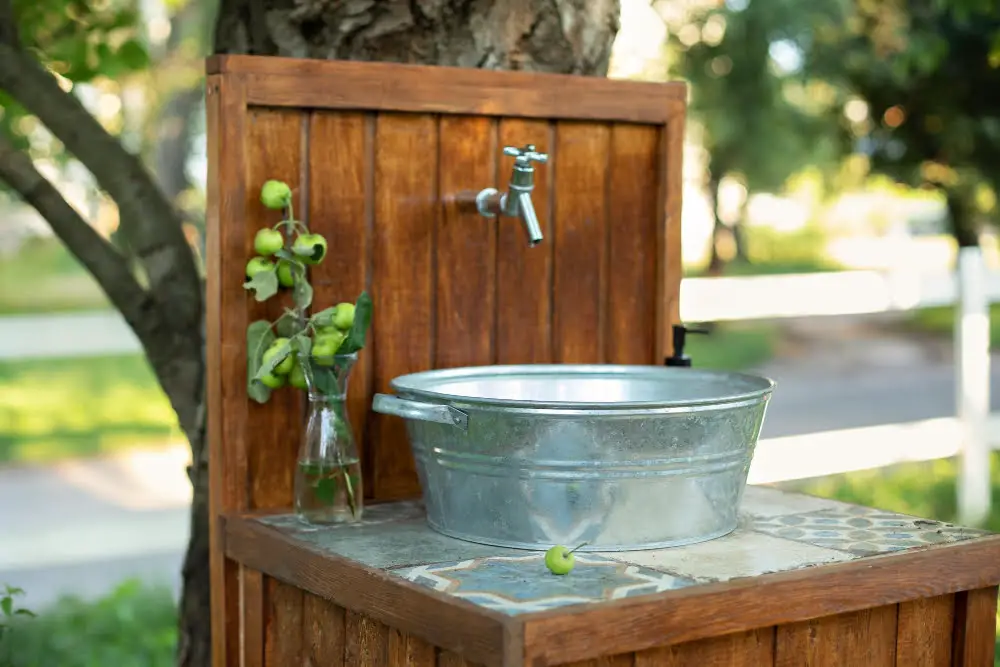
(561, 36)
(962, 218)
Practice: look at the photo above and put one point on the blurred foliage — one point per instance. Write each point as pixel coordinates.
(940, 321)
(733, 346)
(58, 282)
(134, 625)
(58, 408)
(918, 92)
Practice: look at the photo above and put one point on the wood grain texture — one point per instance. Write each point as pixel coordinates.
(743, 649)
(367, 641)
(580, 241)
(274, 430)
(975, 627)
(924, 632)
(409, 651)
(283, 624)
(669, 268)
(443, 620)
(449, 659)
(341, 163)
(323, 632)
(466, 246)
(524, 275)
(687, 614)
(634, 219)
(320, 84)
(866, 637)
(620, 660)
(403, 335)
(252, 621)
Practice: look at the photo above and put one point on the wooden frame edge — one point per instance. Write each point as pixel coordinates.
(477, 634)
(739, 605)
(381, 86)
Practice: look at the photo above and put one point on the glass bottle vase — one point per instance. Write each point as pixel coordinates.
(328, 474)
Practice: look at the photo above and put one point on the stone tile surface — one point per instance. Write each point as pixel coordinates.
(742, 553)
(763, 501)
(519, 584)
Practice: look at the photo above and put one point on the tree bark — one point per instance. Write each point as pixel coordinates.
(962, 218)
(563, 36)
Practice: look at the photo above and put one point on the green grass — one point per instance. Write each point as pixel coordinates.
(58, 408)
(733, 346)
(43, 277)
(940, 321)
(925, 489)
(134, 626)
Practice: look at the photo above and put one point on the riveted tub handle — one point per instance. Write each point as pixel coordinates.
(428, 412)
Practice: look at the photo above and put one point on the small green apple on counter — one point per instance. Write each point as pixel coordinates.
(560, 560)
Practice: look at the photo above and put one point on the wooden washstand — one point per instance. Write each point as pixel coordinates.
(382, 158)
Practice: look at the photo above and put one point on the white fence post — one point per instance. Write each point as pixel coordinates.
(972, 385)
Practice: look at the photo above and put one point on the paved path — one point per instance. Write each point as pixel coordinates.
(66, 335)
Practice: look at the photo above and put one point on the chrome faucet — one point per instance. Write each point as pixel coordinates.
(516, 202)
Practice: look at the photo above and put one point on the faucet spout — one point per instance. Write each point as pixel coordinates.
(531, 226)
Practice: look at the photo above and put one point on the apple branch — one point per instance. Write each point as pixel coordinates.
(106, 264)
(149, 221)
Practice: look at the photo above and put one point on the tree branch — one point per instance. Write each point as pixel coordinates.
(106, 264)
(149, 221)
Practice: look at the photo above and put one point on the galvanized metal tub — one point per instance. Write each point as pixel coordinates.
(620, 457)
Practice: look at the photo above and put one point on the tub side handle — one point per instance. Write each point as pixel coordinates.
(428, 412)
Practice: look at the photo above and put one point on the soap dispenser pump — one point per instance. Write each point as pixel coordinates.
(680, 338)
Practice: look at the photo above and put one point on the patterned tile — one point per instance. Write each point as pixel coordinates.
(521, 584)
(742, 553)
(862, 531)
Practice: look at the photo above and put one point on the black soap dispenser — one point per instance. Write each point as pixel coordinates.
(680, 338)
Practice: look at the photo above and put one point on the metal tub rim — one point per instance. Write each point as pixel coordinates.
(422, 385)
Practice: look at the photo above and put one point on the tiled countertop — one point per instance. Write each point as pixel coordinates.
(778, 532)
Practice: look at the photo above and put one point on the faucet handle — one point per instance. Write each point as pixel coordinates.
(525, 155)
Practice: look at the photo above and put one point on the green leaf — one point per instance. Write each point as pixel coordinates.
(133, 55)
(326, 490)
(7, 605)
(264, 285)
(355, 339)
(324, 379)
(284, 253)
(14, 590)
(302, 292)
(25, 612)
(259, 338)
(268, 367)
(302, 344)
(287, 325)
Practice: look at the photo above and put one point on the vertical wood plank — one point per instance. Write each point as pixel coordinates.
(283, 624)
(408, 651)
(620, 660)
(402, 328)
(225, 322)
(524, 275)
(252, 620)
(742, 649)
(633, 226)
(367, 641)
(975, 628)
(866, 637)
(669, 240)
(322, 632)
(579, 238)
(466, 245)
(273, 433)
(924, 632)
(449, 659)
(340, 208)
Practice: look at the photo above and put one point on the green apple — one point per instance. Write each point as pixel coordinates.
(275, 194)
(343, 316)
(323, 351)
(284, 365)
(297, 377)
(268, 241)
(560, 560)
(272, 381)
(258, 265)
(286, 273)
(310, 247)
(330, 338)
